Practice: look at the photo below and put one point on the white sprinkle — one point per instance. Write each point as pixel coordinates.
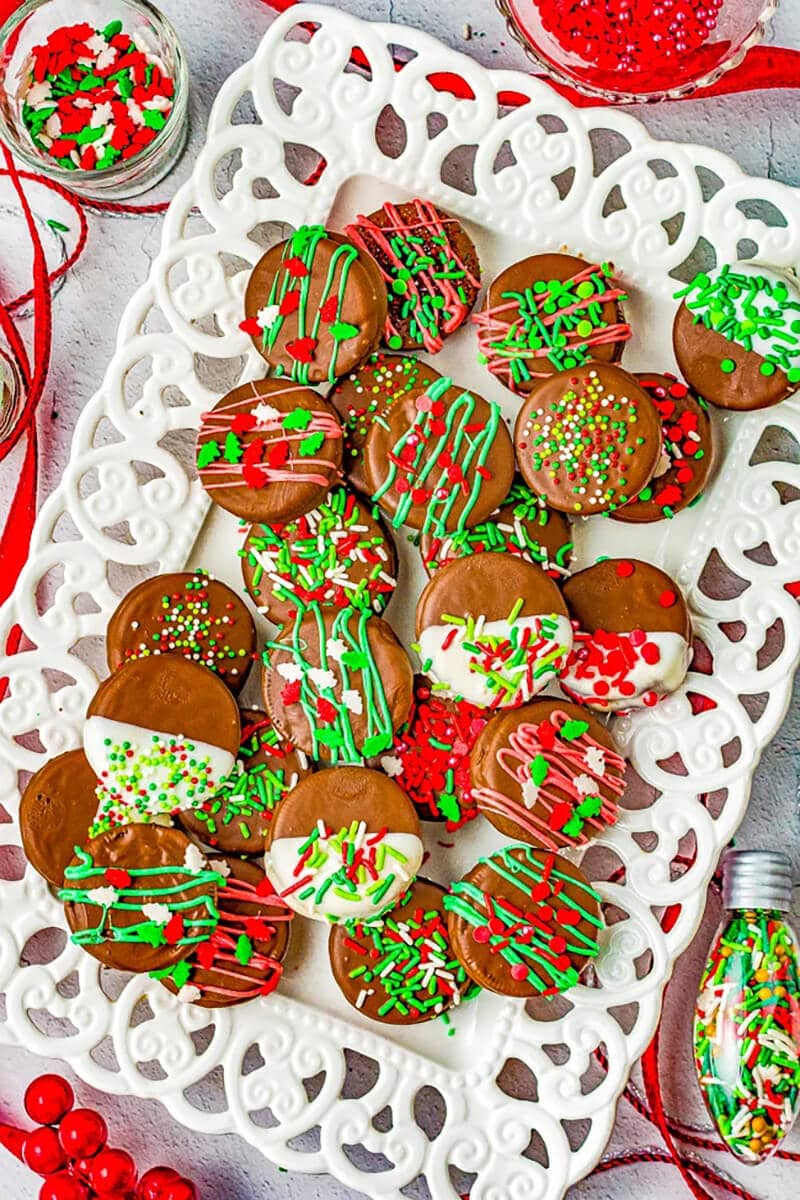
(353, 701)
(585, 785)
(268, 315)
(188, 994)
(595, 759)
(291, 671)
(321, 677)
(194, 860)
(104, 896)
(335, 648)
(158, 913)
(392, 765)
(530, 793)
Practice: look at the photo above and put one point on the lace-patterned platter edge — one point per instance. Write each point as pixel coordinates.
(526, 1104)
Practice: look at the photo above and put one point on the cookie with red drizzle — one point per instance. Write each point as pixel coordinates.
(430, 266)
(430, 756)
(524, 922)
(269, 451)
(632, 633)
(243, 957)
(315, 306)
(687, 456)
(401, 970)
(548, 774)
(236, 817)
(549, 313)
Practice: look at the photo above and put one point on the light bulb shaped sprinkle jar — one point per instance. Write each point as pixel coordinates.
(747, 1017)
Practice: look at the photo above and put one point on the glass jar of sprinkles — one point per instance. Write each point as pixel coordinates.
(93, 93)
(747, 1016)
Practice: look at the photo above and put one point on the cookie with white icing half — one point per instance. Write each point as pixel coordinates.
(547, 773)
(140, 898)
(160, 735)
(492, 630)
(632, 635)
(344, 846)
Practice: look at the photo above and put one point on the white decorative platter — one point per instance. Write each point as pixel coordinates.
(516, 1103)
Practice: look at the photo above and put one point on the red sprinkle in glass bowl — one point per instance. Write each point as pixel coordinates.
(632, 51)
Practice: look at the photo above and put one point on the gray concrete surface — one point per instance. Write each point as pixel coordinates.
(763, 133)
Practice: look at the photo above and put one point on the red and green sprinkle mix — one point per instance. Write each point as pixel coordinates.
(682, 442)
(92, 97)
(313, 559)
(747, 1033)
(351, 863)
(409, 961)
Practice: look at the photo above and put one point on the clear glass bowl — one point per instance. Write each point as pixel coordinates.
(738, 25)
(31, 25)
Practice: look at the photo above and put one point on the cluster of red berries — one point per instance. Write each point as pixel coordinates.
(69, 1147)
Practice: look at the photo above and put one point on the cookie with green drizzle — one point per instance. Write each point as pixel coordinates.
(362, 397)
(338, 684)
(548, 313)
(588, 440)
(492, 630)
(243, 957)
(315, 306)
(188, 613)
(547, 773)
(236, 817)
(269, 450)
(440, 461)
(140, 898)
(737, 335)
(339, 554)
(55, 812)
(160, 735)
(344, 846)
(522, 526)
(401, 971)
(524, 922)
(430, 266)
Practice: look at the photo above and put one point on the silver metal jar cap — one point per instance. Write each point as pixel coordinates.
(757, 879)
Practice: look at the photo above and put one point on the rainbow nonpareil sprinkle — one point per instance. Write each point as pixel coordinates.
(92, 97)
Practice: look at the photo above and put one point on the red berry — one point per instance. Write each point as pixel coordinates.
(63, 1187)
(83, 1132)
(112, 1171)
(42, 1151)
(48, 1098)
(153, 1182)
(182, 1189)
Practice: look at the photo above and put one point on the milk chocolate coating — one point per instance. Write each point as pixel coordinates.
(238, 823)
(601, 598)
(424, 897)
(486, 966)
(317, 580)
(363, 305)
(391, 662)
(487, 770)
(588, 440)
(279, 499)
(57, 808)
(487, 585)
(687, 457)
(700, 351)
(525, 530)
(366, 393)
(186, 613)
(400, 324)
(227, 981)
(541, 268)
(139, 847)
(340, 796)
(170, 694)
(383, 437)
